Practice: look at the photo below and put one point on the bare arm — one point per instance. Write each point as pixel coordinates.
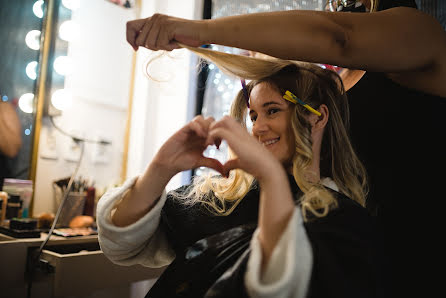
(399, 40)
(182, 151)
(10, 134)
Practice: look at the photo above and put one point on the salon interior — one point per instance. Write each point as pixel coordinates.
(91, 113)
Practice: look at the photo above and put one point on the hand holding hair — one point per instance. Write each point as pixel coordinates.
(162, 32)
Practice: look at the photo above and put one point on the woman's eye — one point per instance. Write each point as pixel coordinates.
(253, 119)
(272, 111)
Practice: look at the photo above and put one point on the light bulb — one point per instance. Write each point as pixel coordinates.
(61, 99)
(69, 31)
(26, 103)
(63, 65)
(32, 39)
(38, 9)
(71, 4)
(31, 70)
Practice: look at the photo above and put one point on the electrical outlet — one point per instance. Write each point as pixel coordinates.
(48, 148)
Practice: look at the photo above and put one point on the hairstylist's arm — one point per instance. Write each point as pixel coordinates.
(182, 151)
(398, 40)
(276, 200)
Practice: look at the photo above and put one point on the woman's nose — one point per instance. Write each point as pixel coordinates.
(260, 127)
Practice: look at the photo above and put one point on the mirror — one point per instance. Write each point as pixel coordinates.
(22, 23)
(82, 87)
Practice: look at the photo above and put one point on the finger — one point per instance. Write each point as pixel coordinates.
(132, 31)
(142, 36)
(230, 165)
(197, 129)
(152, 37)
(213, 164)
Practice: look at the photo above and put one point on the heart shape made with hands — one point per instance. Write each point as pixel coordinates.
(216, 165)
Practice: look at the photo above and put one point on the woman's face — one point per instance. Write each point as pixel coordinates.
(271, 117)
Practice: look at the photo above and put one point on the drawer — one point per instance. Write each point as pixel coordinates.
(82, 268)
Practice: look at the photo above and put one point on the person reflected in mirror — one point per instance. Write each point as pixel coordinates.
(294, 178)
(10, 138)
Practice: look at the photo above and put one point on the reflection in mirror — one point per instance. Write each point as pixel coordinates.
(86, 93)
(20, 49)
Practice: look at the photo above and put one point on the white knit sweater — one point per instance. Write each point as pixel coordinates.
(287, 274)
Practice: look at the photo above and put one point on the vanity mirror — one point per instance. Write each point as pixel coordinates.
(66, 63)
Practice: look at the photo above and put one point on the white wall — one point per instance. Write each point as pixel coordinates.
(100, 85)
(160, 109)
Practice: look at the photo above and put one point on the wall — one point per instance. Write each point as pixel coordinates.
(161, 108)
(100, 86)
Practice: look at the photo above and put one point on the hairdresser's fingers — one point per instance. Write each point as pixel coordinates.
(152, 37)
(133, 28)
(144, 32)
(213, 164)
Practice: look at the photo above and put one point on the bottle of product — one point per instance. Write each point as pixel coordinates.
(13, 207)
(3, 205)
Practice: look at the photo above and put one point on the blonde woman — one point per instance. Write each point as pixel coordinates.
(395, 70)
(286, 216)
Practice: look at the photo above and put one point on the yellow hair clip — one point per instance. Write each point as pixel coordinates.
(294, 99)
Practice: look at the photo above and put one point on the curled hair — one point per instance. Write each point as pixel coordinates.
(316, 86)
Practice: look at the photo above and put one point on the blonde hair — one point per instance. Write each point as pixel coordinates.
(315, 86)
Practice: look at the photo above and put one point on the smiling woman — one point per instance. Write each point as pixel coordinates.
(290, 193)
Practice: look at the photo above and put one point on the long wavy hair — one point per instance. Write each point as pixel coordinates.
(314, 85)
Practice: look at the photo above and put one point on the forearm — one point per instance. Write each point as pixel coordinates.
(300, 35)
(142, 196)
(275, 211)
(393, 40)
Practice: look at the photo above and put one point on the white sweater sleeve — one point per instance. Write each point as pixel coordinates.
(288, 272)
(142, 242)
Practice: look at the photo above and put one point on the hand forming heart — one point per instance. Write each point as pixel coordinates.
(184, 150)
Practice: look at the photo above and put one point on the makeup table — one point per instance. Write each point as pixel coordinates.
(73, 266)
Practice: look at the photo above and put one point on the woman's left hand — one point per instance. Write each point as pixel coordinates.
(251, 156)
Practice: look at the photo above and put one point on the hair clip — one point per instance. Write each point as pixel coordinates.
(245, 92)
(294, 99)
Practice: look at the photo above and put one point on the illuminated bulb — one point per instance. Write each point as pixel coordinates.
(32, 39)
(61, 99)
(69, 31)
(38, 9)
(71, 4)
(26, 103)
(31, 70)
(63, 65)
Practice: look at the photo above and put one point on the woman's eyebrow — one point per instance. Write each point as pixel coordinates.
(265, 105)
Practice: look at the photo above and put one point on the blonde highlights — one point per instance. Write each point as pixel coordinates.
(315, 86)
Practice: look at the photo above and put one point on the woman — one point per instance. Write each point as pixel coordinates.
(395, 77)
(290, 209)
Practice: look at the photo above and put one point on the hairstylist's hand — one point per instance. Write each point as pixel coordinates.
(252, 157)
(162, 32)
(184, 150)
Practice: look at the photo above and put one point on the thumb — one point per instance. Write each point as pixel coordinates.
(230, 165)
(212, 163)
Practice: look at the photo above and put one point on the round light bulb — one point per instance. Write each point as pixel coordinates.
(38, 9)
(63, 65)
(32, 39)
(69, 31)
(26, 103)
(71, 4)
(61, 99)
(31, 70)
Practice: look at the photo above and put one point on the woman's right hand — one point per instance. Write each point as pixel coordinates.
(184, 150)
